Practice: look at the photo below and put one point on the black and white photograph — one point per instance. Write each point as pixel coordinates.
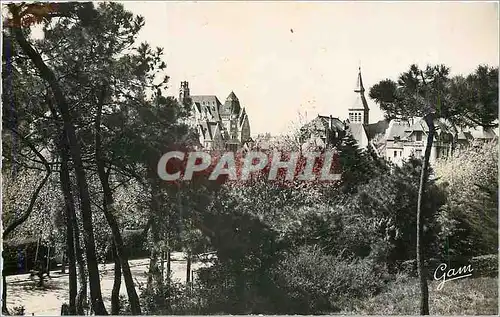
(250, 158)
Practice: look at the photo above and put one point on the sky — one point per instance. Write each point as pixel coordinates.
(289, 61)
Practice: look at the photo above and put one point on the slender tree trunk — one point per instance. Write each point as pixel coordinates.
(48, 75)
(155, 280)
(188, 268)
(69, 239)
(169, 263)
(78, 251)
(63, 261)
(48, 260)
(65, 180)
(81, 297)
(109, 212)
(5, 311)
(422, 272)
(115, 293)
(162, 263)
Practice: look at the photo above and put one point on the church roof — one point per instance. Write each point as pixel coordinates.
(360, 103)
(357, 130)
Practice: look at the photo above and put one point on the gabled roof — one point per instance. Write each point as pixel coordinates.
(322, 123)
(209, 129)
(336, 122)
(396, 129)
(210, 99)
(232, 97)
(357, 130)
(231, 105)
(207, 103)
(464, 136)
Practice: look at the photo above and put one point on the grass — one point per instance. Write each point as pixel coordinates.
(469, 296)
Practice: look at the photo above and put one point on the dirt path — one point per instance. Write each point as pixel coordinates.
(23, 291)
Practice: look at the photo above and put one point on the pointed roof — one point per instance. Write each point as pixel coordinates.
(231, 105)
(232, 97)
(359, 84)
(360, 103)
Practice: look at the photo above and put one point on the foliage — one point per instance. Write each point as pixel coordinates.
(387, 204)
(470, 216)
(317, 283)
(464, 101)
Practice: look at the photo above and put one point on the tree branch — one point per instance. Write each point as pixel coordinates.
(31, 205)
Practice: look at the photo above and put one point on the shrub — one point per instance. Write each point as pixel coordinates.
(318, 283)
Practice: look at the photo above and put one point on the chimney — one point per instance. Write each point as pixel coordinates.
(331, 122)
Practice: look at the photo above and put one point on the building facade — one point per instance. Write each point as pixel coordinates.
(220, 126)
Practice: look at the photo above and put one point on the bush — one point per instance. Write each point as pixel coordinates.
(318, 283)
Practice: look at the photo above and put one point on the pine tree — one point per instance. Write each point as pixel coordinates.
(354, 163)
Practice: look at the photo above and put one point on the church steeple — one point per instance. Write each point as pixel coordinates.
(359, 85)
(359, 111)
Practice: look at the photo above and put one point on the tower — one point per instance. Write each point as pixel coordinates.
(359, 112)
(184, 92)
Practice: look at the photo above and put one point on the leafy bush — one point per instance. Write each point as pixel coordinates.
(318, 283)
(470, 217)
(386, 207)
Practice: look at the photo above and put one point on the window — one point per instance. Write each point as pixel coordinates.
(418, 153)
(395, 153)
(418, 136)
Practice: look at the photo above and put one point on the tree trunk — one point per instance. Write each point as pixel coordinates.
(155, 281)
(5, 311)
(115, 293)
(188, 268)
(81, 297)
(48, 260)
(82, 292)
(70, 213)
(422, 272)
(63, 261)
(109, 212)
(169, 263)
(48, 75)
(66, 186)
